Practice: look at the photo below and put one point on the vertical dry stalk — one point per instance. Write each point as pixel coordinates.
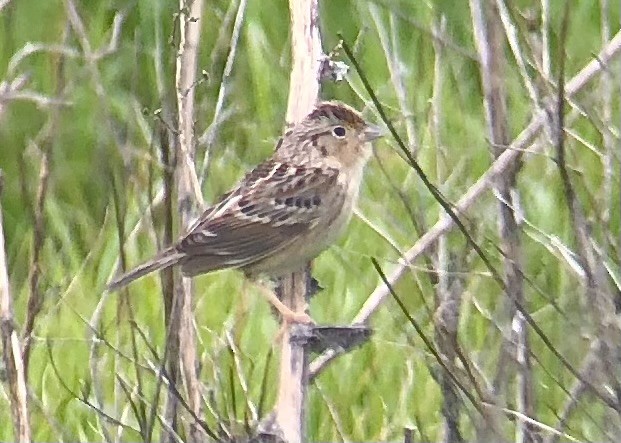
(611, 146)
(303, 94)
(188, 189)
(166, 142)
(35, 298)
(489, 43)
(209, 137)
(166, 145)
(394, 63)
(448, 290)
(599, 297)
(11, 350)
(45, 139)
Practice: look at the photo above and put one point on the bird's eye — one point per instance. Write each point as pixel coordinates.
(339, 132)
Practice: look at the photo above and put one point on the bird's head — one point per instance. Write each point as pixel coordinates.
(333, 133)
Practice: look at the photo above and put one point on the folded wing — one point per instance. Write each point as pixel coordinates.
(273, 206)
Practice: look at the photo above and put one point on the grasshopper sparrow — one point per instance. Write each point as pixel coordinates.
(285, 211)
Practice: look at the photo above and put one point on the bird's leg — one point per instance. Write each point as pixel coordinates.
(288, 315)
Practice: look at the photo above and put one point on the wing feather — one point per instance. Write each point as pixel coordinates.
(273, 205)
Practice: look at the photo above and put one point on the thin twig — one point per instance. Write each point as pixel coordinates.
(442, 38)
(83, 398)
(514, 43)
(453, 214)
(208, 137)
(394, 63)
(123, 302)
(35, 298)
(590, 369)
(91, 59)
(429, 345)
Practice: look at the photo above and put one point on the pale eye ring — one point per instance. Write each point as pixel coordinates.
(339, 132)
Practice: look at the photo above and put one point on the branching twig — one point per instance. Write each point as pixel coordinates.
(83, 398)
(453, 214)
(500, 165)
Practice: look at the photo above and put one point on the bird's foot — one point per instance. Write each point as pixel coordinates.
(301, 316)
(289, 318)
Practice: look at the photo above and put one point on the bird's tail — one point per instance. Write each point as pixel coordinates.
(165, 259)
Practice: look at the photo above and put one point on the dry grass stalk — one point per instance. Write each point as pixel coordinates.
(599, 297)
(304, 92)
(12, 350)
(188, 191)
(44, 141)
(448, 290)
(489, 41)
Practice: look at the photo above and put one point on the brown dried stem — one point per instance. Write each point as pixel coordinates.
(487, 23)
(304, 92)
(11, 350)
(448, 297)
(599, 298)
(188, 191)
(44, 141)
(35, 298)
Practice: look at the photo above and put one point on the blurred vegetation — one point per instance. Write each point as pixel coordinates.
(376, 391)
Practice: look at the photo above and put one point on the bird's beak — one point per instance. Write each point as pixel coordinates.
(372, 132)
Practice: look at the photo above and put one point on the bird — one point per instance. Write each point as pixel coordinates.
(285, 211)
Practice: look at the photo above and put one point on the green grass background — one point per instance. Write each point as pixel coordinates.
(375, 391)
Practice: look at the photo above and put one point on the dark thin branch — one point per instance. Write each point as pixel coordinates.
(82, 398)
(427, 341)
(419, 170)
